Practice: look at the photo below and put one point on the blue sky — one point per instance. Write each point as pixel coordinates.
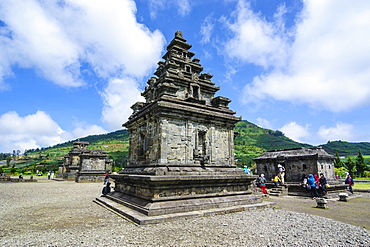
(72, 68)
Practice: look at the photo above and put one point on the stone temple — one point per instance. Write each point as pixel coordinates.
(297, 162)
(181, 157)
(84, 165)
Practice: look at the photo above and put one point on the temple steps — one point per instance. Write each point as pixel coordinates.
(139, 218)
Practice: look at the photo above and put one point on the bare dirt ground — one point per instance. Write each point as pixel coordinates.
(355, 212)
(62, 213)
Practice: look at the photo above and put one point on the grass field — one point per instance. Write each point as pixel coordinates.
(361, 186)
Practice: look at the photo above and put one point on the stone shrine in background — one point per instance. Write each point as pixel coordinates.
(181, 157)
(297, 163)
(85, 165)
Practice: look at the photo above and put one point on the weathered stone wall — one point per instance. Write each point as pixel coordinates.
(89, 163)
(181, 142)
(327, 168)
(296, 168)
(75, 160)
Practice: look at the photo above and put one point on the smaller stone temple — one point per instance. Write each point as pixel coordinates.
(85, 165)
(297, 163)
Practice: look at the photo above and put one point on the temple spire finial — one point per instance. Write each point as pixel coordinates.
(178, 34)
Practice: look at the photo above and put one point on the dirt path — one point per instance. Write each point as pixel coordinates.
(355, 212)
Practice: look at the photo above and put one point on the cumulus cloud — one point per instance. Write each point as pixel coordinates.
(118, 98)
(31, 131)
(296, 131)
(255, 40)
(58, 38)
(326, 64)
(68, 41)
(342, 131)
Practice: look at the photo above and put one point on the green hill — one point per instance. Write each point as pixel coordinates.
(347, 148)
(250, 142)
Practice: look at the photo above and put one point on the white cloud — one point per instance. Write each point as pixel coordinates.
(32, 131)
(86, 130)
(57, 38)
(342, 131)
(264, 123)
(326, 64)
(118, 98)
(295, 131)
(182, 6)
(38, 130)
(63, 40)
(256, 40)
(206, 30)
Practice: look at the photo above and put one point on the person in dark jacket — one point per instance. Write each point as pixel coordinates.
(106, 189)
(322, 183)
(349, 181)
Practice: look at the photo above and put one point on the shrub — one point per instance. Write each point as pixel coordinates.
(341, 171)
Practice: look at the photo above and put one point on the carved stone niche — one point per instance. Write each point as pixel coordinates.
(137, 106)
(220, 101)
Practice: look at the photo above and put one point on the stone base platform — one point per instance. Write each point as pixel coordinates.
(294, 189)
(143, 219)
(90, 176)
(149, 199)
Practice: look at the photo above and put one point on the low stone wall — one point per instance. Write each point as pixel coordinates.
(90, 176)
(333, 190)
(8, 179)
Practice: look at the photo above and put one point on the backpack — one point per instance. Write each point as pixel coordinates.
(261, 180)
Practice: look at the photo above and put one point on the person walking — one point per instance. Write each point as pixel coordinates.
(262, 183)
(281, 171)
(311, 183)
(349, 181)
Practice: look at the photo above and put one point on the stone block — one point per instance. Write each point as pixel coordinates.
(321, 203)
(343, 197)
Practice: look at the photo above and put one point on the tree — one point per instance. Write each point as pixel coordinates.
(351, 166)
(361, 166)
(337, 161)
(8, 159)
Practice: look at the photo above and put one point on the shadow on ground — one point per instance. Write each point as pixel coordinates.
(355, 212)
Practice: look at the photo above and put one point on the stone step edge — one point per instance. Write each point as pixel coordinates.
(142, 219)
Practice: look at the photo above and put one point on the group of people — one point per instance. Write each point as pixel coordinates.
(315, 184)
(278, 179)
(50, 175)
